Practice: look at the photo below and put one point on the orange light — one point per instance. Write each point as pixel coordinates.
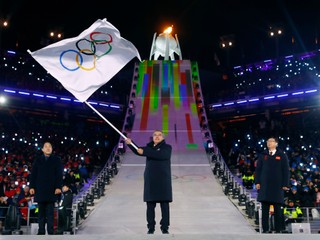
(168, 30)
(238, 120)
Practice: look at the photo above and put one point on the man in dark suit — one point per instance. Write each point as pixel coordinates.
(272, 179)
(45, 184)
(157, 179)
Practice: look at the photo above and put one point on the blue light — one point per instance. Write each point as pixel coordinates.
(269, 97)
(104, 105)
(243, 101)
(24, 93)
(93, 103)
(65, 99)
(9, 91)
(11, 52)
(115, 106)
(228, 104)
(311, 91)
(216, 105)
(52, 97)
(283, 95)
(37, 95)
(297, 93)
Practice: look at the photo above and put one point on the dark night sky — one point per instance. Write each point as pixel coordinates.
(198, 23)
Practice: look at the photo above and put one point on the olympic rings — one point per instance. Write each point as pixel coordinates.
(98, 46)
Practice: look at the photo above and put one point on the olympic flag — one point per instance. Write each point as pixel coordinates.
(84, 63)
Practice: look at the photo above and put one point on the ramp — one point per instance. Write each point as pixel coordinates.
(164, 99)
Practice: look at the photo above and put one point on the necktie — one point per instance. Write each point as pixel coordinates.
(270, 153)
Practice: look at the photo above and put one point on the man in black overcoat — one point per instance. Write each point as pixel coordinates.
(157, 179)
(45, 184)
(272, 179)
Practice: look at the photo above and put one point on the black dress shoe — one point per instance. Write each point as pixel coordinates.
(150, 231)
(165, 231)
(266, 232)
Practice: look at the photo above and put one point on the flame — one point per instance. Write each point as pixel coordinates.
(168, 30)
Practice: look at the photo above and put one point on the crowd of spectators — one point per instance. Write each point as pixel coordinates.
(83, 154)
(280, 75)
(84, 144)
(241, 142)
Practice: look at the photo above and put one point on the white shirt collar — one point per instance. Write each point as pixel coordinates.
(273, 151)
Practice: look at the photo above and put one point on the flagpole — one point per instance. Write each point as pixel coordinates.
(121, 134)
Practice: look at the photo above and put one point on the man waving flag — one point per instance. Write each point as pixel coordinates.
(84, 63)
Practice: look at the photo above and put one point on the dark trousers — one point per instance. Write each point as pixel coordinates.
(277, 216)
(165, 215)
(46, 215)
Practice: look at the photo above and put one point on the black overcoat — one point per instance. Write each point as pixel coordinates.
(46, 176)
(157, 173)
(272, 173)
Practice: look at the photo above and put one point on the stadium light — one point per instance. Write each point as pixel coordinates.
(57, 98)
(3, 99)
(276, 32)
(3, 25)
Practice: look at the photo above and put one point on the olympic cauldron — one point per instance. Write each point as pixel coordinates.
(165, 45)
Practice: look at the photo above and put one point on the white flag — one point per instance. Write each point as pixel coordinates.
(84, 63)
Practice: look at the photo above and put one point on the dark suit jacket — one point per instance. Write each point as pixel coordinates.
(46, 176)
